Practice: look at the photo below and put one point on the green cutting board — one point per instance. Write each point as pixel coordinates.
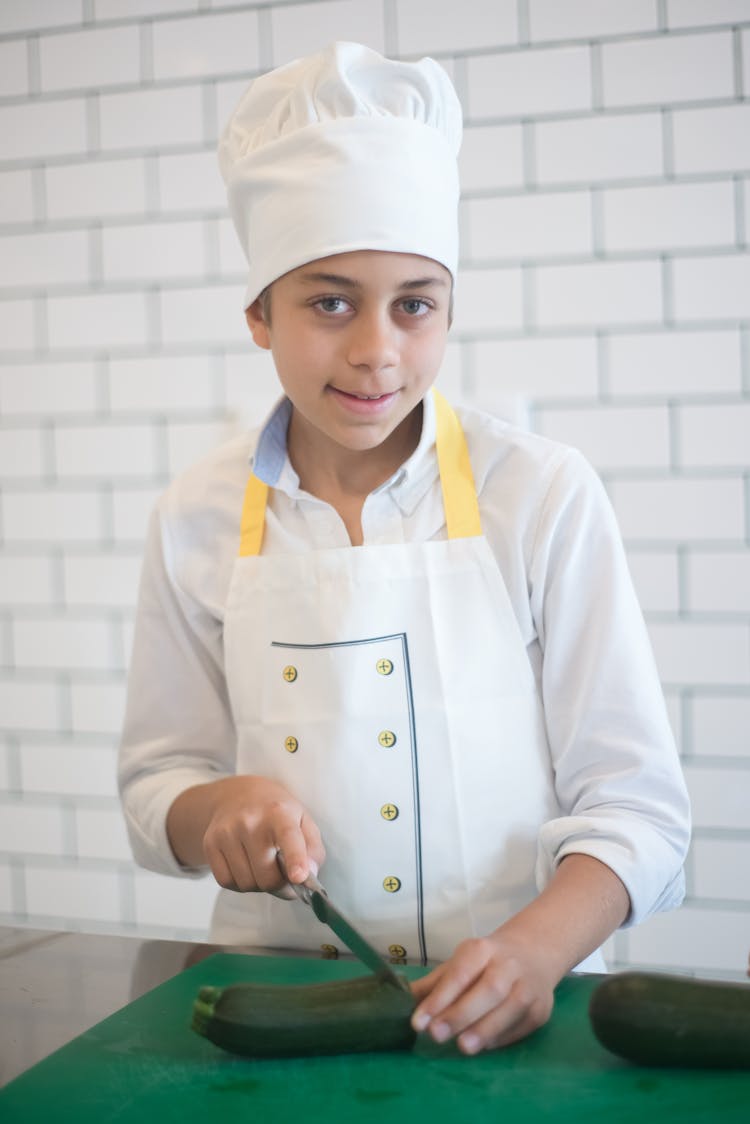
(144, 1064)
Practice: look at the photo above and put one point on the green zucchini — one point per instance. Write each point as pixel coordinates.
(283, 1020)
(661, 1019)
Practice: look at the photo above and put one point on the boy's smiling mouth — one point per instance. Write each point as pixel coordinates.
(356, 398)
(356, 405)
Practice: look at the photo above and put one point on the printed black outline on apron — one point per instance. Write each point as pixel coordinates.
(414, 756)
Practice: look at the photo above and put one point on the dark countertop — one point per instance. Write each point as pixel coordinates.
(55, 985)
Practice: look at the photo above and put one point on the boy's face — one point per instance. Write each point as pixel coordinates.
(357, 339)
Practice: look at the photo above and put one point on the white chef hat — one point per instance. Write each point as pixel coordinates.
(343, 150)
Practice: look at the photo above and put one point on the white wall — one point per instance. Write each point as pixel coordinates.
(604, 298)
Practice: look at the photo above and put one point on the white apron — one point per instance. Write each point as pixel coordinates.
(389, 689)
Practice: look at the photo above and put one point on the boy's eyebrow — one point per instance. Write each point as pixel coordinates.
(350, 283)
(422, 282)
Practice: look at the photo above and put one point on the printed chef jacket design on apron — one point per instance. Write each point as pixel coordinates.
(389, 689)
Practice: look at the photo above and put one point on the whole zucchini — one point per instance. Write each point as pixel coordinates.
(283, 1020)
(662, 1019)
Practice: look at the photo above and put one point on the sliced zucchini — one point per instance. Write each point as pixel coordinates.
(281, 1020)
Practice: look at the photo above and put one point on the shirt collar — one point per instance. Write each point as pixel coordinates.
(270, 451)
(407, 485)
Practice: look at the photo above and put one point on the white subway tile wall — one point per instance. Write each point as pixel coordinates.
(206, 44)
(297, 29)
(92, 59)
(584, 19)
(665, 70)
(603, 299)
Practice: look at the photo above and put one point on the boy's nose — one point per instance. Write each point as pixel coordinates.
(372, 343)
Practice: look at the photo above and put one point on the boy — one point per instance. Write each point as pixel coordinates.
(426, 672)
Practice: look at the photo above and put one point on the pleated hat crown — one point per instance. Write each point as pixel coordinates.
(344, 150)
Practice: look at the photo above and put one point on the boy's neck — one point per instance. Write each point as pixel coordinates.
(345, 477)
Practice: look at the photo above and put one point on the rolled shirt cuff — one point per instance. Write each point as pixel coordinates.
(648, 862)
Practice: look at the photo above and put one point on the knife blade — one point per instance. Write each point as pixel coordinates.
(313, 894)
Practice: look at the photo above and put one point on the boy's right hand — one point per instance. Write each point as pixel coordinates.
(253, 818)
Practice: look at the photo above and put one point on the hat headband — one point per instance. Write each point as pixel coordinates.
(353, 184)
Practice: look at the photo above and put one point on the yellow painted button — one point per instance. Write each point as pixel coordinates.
(289, 673)
(291, 745)
(389, 812)
(397, 950)
(385, 667)
(391, 884)
(387, 738)
(330, 952)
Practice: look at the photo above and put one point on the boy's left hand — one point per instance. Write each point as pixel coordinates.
(497, 989)
(491, 992)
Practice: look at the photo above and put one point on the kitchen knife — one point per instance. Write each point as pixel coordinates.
(312, 893)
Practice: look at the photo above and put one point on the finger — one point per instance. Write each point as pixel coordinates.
(219, 867)
(467, 1011)
(516, 1018)
(421, 988)
(316, 852)
(291, 842)
(230, 865)
(453, 980)
(302, 849)
(284, 889)
(496, 1023)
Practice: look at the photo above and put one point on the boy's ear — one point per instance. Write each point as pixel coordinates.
(257, 324)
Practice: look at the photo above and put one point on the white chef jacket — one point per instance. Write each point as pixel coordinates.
(552, 530)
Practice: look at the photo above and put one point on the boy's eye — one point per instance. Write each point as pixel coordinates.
(415, 306)
(334, 305)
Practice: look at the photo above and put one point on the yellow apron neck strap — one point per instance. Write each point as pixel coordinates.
(456, 479)
(253, 516)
